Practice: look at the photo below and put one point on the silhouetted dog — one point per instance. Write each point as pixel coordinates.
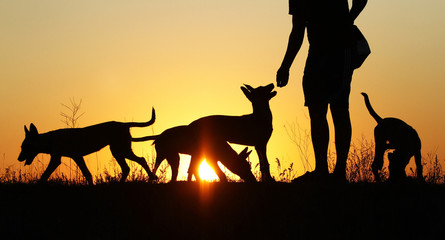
(78, 142)
(253, 129)
(185, 139)
(393, 133)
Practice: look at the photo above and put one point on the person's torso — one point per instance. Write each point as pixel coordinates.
(327, 21)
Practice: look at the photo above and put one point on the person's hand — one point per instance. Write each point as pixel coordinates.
(282, 77)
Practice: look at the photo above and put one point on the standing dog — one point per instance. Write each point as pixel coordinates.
(253, 129)
(183, 139)
(393, 133)
(215, 131)
(78, 142)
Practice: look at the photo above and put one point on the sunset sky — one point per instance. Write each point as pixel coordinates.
(188, 59)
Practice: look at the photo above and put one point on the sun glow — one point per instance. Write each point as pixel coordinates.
(207, 173)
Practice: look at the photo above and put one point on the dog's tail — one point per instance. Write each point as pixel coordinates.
(144, 124)
(143, 139)
(370, 109)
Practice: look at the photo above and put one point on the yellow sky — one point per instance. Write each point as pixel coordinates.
(188, 58)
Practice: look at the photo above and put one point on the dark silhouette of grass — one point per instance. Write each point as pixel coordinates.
(68, 208)
(186, 210)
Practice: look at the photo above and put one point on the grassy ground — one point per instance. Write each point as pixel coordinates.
(222, 211)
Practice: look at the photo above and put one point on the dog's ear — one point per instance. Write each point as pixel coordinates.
(245, 153)
(246, 92)
(250, 88)
(33, 129)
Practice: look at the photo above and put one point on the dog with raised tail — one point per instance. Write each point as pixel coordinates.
(75, 143)
(394, 134)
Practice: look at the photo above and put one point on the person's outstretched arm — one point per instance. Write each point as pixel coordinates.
(293, 46)
(357, 8)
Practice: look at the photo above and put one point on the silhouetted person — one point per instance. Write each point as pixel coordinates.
(327, 74)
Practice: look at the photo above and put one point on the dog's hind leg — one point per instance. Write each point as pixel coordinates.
(380, 148)
(83, 168)
(143, 163)
(120, 151)
(173, 160)
(158, 160)
(418, 160)
(121, 161)
(124, 167)
(53, 164)
(194, 168)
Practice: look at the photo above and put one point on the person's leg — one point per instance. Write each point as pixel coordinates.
(343, 132)
(340, 111)
(317, 90)
(320, 137)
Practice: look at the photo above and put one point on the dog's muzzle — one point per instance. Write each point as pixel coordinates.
(28, 160)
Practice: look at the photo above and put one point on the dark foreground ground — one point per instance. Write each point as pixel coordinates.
(222, 211)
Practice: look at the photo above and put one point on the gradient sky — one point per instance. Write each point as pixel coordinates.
(188, 58)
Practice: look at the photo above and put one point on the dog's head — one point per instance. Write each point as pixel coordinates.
(29, 148)
(260, 94)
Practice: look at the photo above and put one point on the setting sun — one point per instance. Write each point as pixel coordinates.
(207, 173)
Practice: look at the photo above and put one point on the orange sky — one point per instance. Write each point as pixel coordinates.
(188, 58)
